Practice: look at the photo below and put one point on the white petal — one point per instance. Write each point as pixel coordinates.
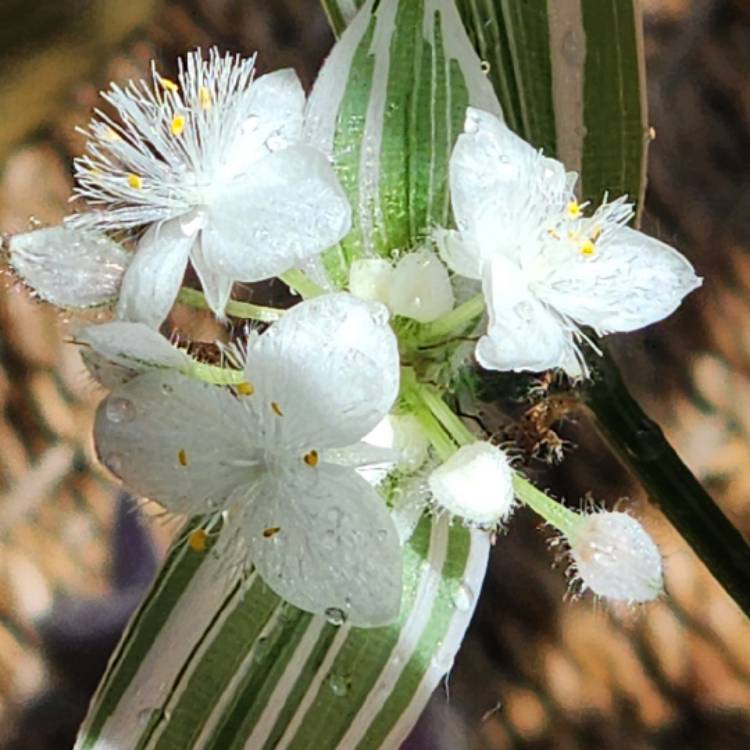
(502, 189)
(69, 267)
(420, 288)
(275, 104)
(116, 352)
(369, 278)
(288, 208)
(336, 548)
(616, 558)
(475, 483)
(180, 442)
(155, 274)
(459, 252)
(522, 333)
(217, 288)
(331, 364)
(631, 281)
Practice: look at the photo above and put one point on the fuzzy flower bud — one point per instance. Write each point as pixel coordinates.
(616, 558)
(476, 484)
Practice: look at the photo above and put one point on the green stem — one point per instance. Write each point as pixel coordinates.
(444, 414)
(643, 449)
(215, 375)
(554, 513)
(298, 281)
(453, 322)
(194, 298)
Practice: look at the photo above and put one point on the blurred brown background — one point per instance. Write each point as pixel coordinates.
(535, 672)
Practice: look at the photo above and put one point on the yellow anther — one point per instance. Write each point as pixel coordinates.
(573, 209)
(135, 181)
(276, 409)
(552, 233)
(178, 125)
(182, 457)
(245, 389)
(311, 458)
(111, 134)
(271, 531)
(197, 540)
(169, 85)
(588, 248)
(204, 97)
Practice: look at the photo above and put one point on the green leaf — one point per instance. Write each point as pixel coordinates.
(210, 663)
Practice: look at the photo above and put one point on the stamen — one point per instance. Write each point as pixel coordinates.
(182, 457)
(245, 388)
(272, 531)
(588, 248)
(197, 540)
(178, 125)
(169, 85)
(135, 181)
(311, 458)
(276, 409)
(111, 134)
(596, 234)
(552, 233)
(204, 98)
(573, 209)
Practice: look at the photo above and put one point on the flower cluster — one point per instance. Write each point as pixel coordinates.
(294, 447)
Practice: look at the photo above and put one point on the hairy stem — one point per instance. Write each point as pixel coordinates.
(641, 446)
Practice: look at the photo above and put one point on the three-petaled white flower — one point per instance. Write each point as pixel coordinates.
(279, 456)
(545, 267)
(214, 167)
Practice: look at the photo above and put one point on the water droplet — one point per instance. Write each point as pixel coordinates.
(276, 142)
(166, 388)
(463, 598)
(335, 616)
(262, 647)
(486, 67)
(443, 659)
(339, 685)
(119, 410)
(648, 443)
(524, 310)
(472, 124)
(381, 535)
(250, 124)
(113, 461)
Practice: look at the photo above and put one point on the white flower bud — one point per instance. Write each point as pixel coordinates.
(420, 288)
(616, 558)
(475, 483)
(369, 279)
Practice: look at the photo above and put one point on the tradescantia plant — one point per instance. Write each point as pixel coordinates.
(338, 512)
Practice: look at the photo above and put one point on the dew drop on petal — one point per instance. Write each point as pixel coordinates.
(276, 142)
(524, 310)
(443, 659)
(250, 124)
(119, 410)
(463, 598)
(472, 123)
(335, 616)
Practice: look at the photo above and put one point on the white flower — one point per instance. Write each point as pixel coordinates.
(616, 558)
(547, 269)
(213, 166)
(116, 352)
(476, 483)
(272, 456)
(68, 267)
(417, 287)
